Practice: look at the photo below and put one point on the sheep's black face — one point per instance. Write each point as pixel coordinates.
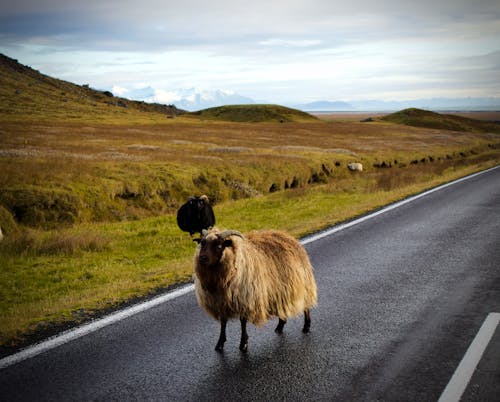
(200, 204)
(196, 203)
(211, 250)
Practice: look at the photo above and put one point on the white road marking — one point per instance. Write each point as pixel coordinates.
(460, 379)
(93, 326)
(390, 207)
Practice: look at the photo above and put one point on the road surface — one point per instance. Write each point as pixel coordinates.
(401, 297)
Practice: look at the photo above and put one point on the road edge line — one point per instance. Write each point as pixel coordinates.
(462, 375)
(390, 207)
(75, 333)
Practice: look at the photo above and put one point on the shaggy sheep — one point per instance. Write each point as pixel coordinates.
(195, 215)
(355, 166)
(253, 277)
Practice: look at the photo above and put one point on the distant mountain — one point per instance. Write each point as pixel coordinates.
(191, 99)
(325, 106)
(438, 104)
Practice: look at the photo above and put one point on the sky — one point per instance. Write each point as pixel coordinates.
(280, 51)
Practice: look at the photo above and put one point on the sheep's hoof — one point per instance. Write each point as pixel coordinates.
(306, 328)
(244, 347)
(219, 347)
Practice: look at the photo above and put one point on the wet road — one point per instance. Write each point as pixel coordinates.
(401, 297)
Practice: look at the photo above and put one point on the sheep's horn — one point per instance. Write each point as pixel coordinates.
(228, 233)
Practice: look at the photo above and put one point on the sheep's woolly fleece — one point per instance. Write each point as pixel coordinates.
(264, 274)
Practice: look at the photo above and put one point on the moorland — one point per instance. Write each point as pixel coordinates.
(90, 185)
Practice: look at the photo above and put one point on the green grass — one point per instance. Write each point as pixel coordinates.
(428, 119)
(89, 190)
(254, 114)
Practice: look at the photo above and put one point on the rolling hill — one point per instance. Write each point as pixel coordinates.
(424, 118)
(254, 114)
(26, 93)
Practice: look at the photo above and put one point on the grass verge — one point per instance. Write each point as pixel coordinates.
(54, 278)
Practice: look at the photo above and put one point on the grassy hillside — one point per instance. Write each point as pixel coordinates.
(29, 95)
(254, 114)
(423, 118)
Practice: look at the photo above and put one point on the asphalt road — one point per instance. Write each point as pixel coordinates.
(401, 297)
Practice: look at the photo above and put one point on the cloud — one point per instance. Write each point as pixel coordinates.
(159, 25)
(120, 91)
(290, 42)
(165, 97)
(264, 49)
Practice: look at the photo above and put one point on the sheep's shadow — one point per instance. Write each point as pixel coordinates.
(237, 375)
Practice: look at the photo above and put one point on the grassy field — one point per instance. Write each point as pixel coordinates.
(88, 203)
(56, 174)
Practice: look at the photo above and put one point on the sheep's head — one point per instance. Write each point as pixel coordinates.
(201, 202)
(212, 245)
(198, 203)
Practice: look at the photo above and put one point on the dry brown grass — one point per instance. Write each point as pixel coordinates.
(358, 116)
(108, 172)
(485, 116)
(183, 141)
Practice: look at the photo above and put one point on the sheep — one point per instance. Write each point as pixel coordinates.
(195, 215)
(355, 166)
(256, 276)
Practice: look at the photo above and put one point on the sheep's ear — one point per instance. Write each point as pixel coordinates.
(197, 241)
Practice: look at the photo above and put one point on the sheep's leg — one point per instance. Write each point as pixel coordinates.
(307, 321)
(244, 335)
(222, 337)
(279, 328)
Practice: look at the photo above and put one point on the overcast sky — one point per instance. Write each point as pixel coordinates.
(275, 51)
